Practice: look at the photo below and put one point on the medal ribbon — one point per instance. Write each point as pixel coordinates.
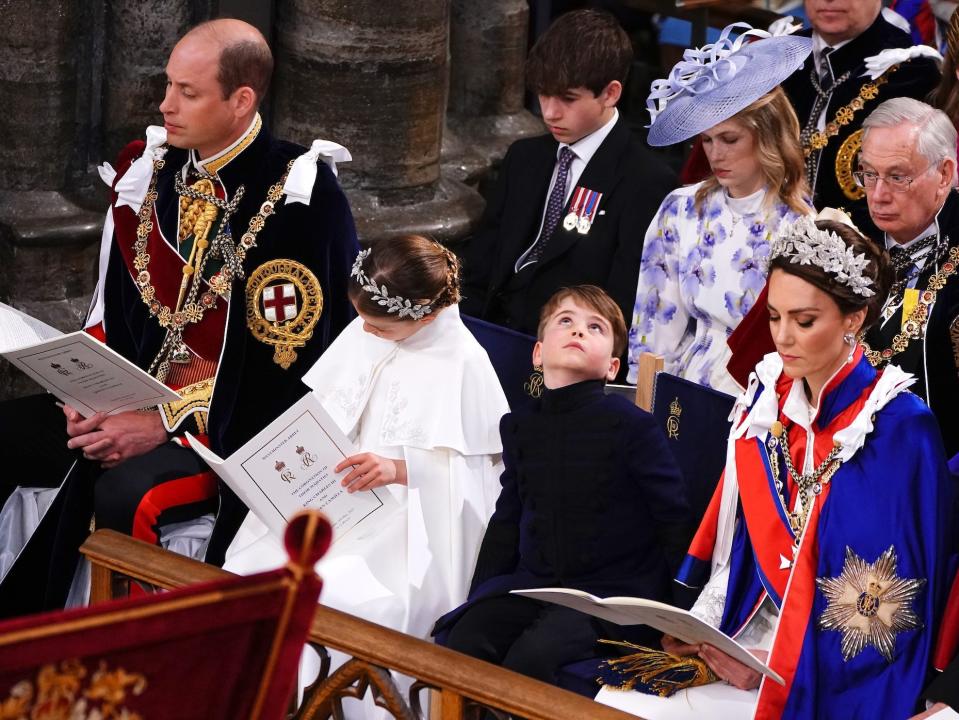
(592, 205)
(579, 196)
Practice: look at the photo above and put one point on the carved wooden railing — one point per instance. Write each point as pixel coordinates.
(460, 687)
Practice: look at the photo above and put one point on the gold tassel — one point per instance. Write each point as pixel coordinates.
(657, 670)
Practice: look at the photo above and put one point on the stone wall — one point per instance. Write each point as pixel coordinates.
(79, 80)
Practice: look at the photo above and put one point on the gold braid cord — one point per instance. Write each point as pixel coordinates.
(191, 303)
(915, 325)
(847, 113)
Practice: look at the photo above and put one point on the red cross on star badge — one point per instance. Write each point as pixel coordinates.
(279, 302)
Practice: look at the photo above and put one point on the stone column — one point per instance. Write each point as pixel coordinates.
(372, 76)
(140, 34)
(487, 85)
(47, 242)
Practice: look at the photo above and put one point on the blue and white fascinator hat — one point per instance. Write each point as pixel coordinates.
(713, 83)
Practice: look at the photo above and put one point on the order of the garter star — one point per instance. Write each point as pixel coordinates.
(869, 604)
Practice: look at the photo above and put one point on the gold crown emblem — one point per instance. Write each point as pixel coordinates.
(675, 408)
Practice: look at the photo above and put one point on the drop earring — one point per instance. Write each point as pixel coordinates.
(850, 340)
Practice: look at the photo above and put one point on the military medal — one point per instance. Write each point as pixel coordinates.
(588, 213)
(571, 220)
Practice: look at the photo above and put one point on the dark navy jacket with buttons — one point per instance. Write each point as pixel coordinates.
(592, 499)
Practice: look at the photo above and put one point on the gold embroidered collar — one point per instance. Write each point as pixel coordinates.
(220, 160)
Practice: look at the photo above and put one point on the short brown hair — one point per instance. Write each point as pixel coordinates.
(245, 63)
(879, 270)
(775, 130)
(412, 267)
(596, 299)
(584, 48)
(245, 57)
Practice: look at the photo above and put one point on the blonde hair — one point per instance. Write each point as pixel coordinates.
(775, 129)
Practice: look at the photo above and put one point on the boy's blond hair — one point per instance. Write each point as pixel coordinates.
(595, 299)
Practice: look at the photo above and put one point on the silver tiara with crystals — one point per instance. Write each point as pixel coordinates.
(395, 304)
(805, 244)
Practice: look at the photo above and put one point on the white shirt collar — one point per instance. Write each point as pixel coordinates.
(931, 230)
(818, 45)
(587, 146)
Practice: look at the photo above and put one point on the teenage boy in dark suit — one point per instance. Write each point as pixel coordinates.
(570, 207)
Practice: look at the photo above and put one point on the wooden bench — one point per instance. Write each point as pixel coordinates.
(462, 687)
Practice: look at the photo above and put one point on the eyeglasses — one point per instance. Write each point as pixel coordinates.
(896, 183)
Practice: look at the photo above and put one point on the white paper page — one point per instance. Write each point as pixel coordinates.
(679, 623)
(947, 713)
(289, 465)
(87, 375)
(18, 329)
(715, 701)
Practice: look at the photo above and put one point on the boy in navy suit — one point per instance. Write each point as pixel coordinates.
(570, 207)
(592, 499)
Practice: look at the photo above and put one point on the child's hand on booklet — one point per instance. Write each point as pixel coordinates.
(371, 470)
(725, 668)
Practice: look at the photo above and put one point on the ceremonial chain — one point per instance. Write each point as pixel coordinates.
(914, 325)
(191, 308)
(870, 91)
(812, 481)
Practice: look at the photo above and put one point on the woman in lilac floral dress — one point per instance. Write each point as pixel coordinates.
(704, 255)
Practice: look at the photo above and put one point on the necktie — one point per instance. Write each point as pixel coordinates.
(825, 75)
(554, 206)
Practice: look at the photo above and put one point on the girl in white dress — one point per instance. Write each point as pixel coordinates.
(408, 383)
(704, 252)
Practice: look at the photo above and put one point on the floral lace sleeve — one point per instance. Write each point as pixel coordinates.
(660, 317)
(711, 602)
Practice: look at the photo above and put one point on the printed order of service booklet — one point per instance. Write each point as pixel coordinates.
(288, 466)
(77, 368)
(679, 623)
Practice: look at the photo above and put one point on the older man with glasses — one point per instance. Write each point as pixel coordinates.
(907, 168)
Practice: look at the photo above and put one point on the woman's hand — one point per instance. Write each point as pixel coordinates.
(371, 470)
(678, 647)
(732, 671)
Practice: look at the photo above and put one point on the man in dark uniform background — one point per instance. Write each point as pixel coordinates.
(832, 93)
(908, 170)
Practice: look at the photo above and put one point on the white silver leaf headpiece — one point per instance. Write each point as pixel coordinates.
(805, 244)
(397, 305)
